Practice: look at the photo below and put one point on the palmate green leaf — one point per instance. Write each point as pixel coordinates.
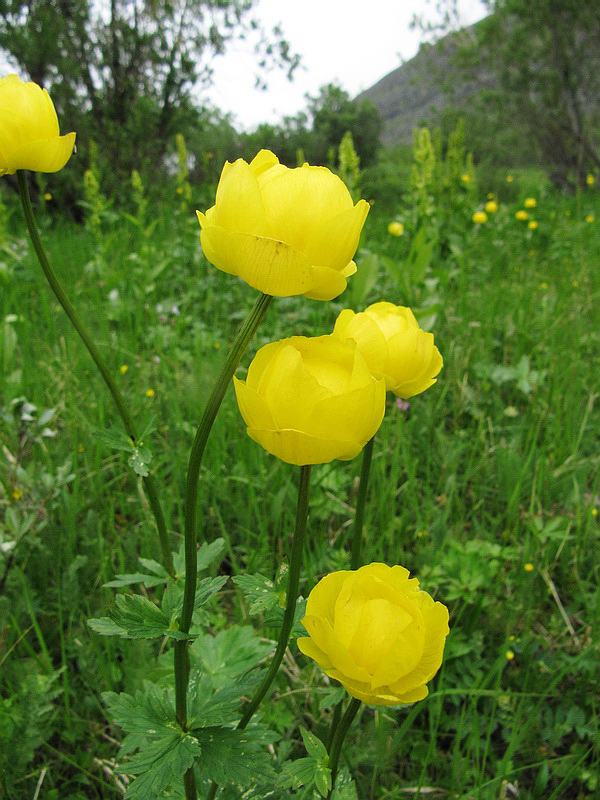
(259, 591)
(128, 578)
(207, 554)
(230, 652)
(208, 708)
(233, 756)
(151, 712)
(139, 460)
(274, 618)
(161, 764)
(135, 618)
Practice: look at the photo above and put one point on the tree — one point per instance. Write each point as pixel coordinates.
(124, 72)
(538, 63)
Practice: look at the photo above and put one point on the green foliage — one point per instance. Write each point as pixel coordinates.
(493, 469)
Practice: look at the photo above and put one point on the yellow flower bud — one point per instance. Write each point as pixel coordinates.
(311, 400)
(376, 632)
(393, 345)
(479, 217)
(530, 202)
(284, 231)
(395, 228)
(590, 180)
(29, 133)
(491, 206)
(532, 224)
(521, 215)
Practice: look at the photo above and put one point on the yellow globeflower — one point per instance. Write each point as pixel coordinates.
(396, 228)
(522, 215)
(376, 632)
(311, 400)
(393, 346)
(29, 132)
(509, 178)
(491, 206)
(284, 231)
(479, 217)
(590, 180)
(532, 224)
(530, 202)
(590, 218)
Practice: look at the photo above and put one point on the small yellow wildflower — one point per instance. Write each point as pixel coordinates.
(575, 284)
(590, 180)
(465, 178)
(17, 493)
(594, 512)
(590, 218)
(509, 178)
(179, 190)
(217, 345)
(80, 448)
(47, 196)
(521, 215)
(479, 217)
(543, 285)
(530, 202)
(491, 206)
(532, 224)
(528, 567)
(150, 392)
(509, 655)
(123, 369)
(396, 228)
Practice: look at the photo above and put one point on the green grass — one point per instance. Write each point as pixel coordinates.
(493, 468)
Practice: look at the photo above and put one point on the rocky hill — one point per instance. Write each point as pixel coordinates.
(416, 91)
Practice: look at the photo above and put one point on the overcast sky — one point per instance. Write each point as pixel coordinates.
(347, 42)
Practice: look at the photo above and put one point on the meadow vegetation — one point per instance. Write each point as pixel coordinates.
(486, 487)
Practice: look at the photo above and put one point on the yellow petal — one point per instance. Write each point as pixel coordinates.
(296, 447)
(263, 161)
(323, 636)
(254, 410)
(47, 155)
(298, 201)
(310, 649)
(353, 415)
(239, 207)
(270, 266)
(334, 242)
(326, 284)
(435, 620)
(322, 599)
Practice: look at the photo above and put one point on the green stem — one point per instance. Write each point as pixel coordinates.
(338, 739)
(292, 594)
(290, 606)
(361, 499)
(355, 557)
(149, 481)
(234, 357)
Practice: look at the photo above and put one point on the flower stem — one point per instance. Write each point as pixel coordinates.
(181, 656)
(149, 481)
(338, 739)
(355, 557)
(292, 594)
(361, 499)
(290, 607)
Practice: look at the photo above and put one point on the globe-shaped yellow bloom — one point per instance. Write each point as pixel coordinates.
(395, 228)
(376, 632)
(393, 345)
(530, 202)
(311, 400)
(521, 215)
(491, 206)
(284, 231)
(29, 132)
(479, 217)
